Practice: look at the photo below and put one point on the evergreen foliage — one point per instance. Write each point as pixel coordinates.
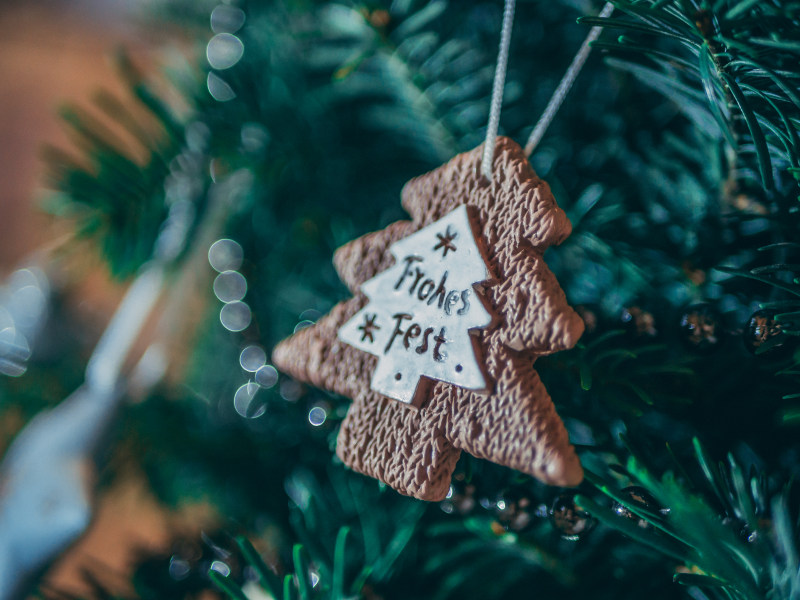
(676, 159)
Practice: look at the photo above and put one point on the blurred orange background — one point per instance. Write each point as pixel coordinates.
(51, 53)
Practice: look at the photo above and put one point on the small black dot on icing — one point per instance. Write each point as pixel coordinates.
(398, 376)
(459, 368)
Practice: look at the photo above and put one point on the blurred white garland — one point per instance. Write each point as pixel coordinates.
(47, 476)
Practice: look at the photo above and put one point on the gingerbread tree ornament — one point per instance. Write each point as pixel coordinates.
(418, 401)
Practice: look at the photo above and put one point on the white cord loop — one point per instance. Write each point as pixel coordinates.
(497, 90)
(566, 83)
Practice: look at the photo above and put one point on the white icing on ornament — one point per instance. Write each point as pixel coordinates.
(421, 310)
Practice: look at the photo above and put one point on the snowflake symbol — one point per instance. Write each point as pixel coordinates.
(368, 328)
(446, 241)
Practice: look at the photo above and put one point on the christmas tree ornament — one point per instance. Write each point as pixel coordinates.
(515, 510)
(701, 327)
(183, 571)
(569, 519)
(741, 528)
(763, 334)
(590, 317)
(450, 310)
(694, 274)
(460, 497)
(640, 497)
(638, 322)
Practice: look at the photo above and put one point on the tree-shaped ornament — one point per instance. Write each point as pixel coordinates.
(420, 311)
(450, 311)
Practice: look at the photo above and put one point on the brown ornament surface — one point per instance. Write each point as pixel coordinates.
(414, 449)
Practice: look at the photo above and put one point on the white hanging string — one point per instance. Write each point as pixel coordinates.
(497, 90)
(566, 83)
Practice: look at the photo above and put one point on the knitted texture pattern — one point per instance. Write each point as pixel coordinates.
(414, 449)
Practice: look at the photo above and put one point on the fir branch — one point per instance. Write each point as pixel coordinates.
(430, 83)
(730, 50)
(115, 197)
(706, 543)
